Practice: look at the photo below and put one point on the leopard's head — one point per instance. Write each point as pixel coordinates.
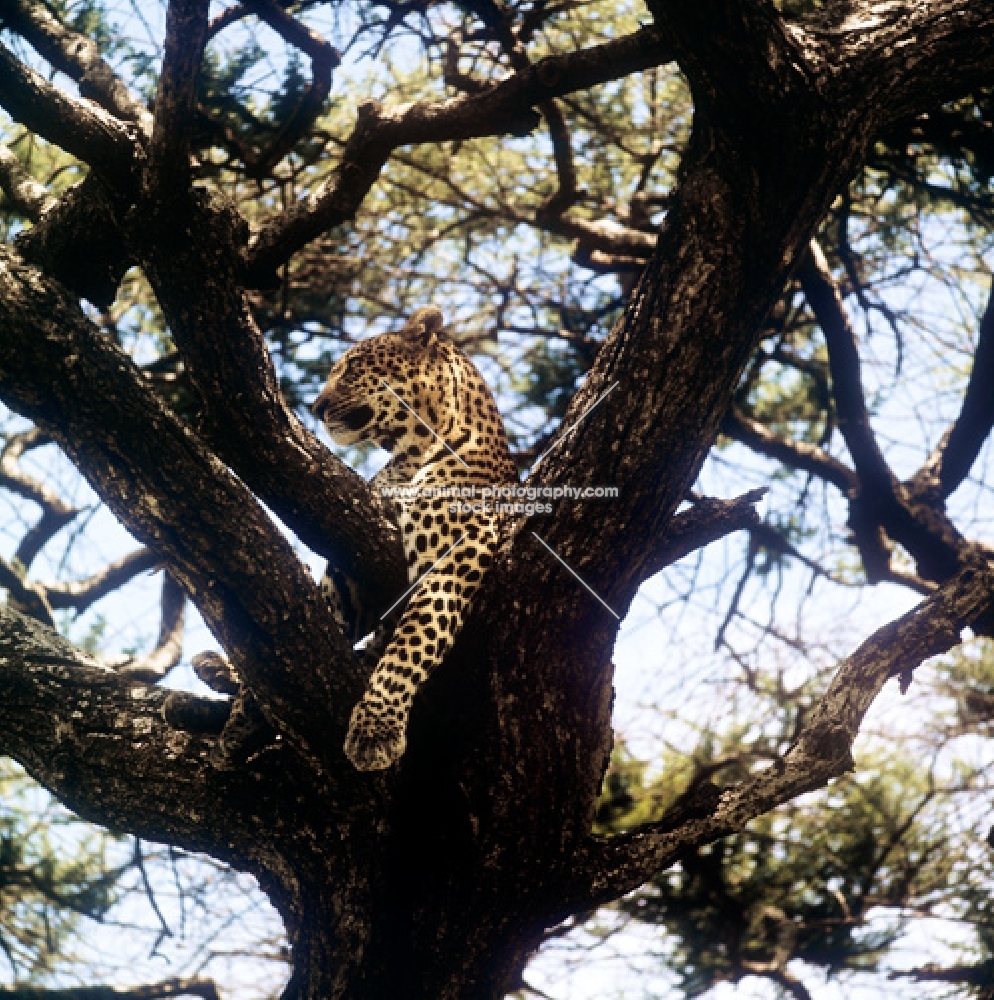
(383, 388)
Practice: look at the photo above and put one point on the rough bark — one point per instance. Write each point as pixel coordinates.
(436, 879)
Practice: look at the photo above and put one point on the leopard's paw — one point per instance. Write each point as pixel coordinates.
(374, 741)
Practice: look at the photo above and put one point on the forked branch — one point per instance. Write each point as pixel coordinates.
(910, 513)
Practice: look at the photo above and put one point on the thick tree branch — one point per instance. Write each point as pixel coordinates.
(497, 109)
(76, 55)
(609, 868)
(58, 370)
(79, 242)
(714, 38)
(921, 56)
(176, 98)
(79, 127)
(192, 258)
(98, 741)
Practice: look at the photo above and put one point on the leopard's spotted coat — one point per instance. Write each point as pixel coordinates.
(417, 395)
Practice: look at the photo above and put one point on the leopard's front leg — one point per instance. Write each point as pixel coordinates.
(377, 734)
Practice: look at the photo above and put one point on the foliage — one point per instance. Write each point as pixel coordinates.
(53, 871)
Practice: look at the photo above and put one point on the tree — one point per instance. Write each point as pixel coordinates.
(510, 741)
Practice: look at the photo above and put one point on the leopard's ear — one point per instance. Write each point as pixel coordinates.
(422, 329)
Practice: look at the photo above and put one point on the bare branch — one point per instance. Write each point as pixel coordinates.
(80, 594)
(973, 426)
(499, 108)
(602, 244)
(323, 57)
(797, 454)
(56, 514)
(22, 190)
(78, 56)
(705, 522)
(169, 646)
(12, 477)
(603, 236)
(50, 523)
(453, 76)
(981, 974)
(566, 194)
(847, 385)
(821, 752)
(907, 513)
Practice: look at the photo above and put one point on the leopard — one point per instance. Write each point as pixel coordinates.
(415, 394)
